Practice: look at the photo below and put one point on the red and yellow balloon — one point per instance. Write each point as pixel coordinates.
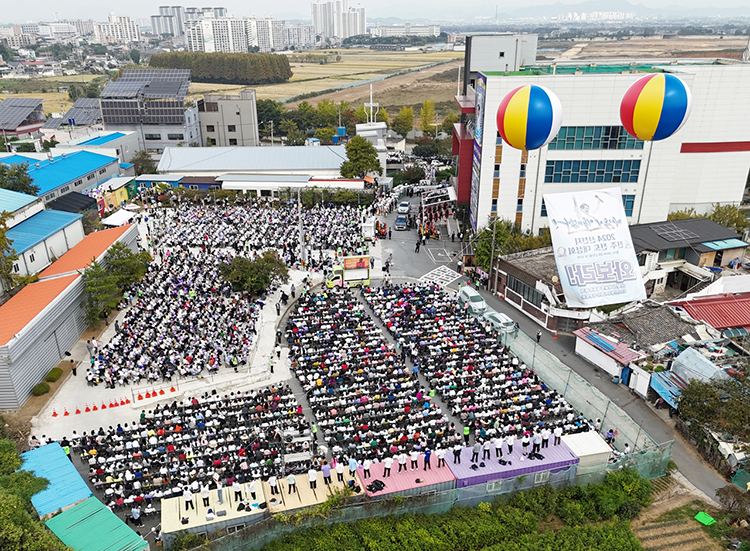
(655, 107)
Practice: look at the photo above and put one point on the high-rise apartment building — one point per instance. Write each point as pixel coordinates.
(268, 34)
(218, 35)
(299, 36)
(336, 19)
(119, 29)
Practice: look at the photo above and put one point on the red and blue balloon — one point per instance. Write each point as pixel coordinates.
(529, 117)
(655, 107)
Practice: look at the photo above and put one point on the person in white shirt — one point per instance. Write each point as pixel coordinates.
(387, 462)
(188, 496)
(292, 481)
(511, 438)
(204, 495)
(237, 487)
(250, 488)
(558, 434)
(545, 437)
(312, 474)
(340, 471)
(273, 483)
(413, 455)
(440, 452)
(402, 461)
(366, 467)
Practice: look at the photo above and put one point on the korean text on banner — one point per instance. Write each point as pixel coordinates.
(593, 248)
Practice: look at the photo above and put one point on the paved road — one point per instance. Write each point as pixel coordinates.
(661, 429)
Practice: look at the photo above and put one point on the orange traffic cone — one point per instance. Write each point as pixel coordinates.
(172, 389)
(95, 408)
(148, 394)
(104, 406)
(122, 402)
(127, 400)
(66, 413)
(88, 409)
(54, 413)
(161, 392)
(555, 335)
(140, 397)
(78, 410)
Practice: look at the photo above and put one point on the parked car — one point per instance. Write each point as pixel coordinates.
(476, 302)
(404, 207)
(401, 222)
(500, 322)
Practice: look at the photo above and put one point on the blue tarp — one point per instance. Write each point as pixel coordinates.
(66, 487)
(669, 386)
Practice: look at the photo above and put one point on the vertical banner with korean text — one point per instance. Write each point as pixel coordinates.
(594, 252)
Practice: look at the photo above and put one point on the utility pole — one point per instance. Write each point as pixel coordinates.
(301, 230)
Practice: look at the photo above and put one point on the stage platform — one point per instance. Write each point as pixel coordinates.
(556, 458)
(305, 497)
(405, 483)
(173, 511)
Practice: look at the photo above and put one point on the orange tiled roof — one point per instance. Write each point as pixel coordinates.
(79, 257)
(28, 303)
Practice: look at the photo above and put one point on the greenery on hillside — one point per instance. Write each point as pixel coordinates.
(524, 521)
(366, 40)
(722, 405)
(227, 68)
(20, 527)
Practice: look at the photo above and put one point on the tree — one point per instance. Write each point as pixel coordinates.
(295, 137)
(325, 135)
(144, 163)
(16, 178)
(127, 267)
(327, 113)
(269, 110)
(254, 276)
(448, 122)
(508, 239)
(135, 55)
(403, 123)
(723, 405)
(9, 255)
(286, 126)
(362, 158)
(427, 117)
(101, 292)
(730, 216)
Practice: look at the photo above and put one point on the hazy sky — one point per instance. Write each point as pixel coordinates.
(40, 10)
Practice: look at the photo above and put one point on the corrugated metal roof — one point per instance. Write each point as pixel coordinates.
(28, 303)
(691, 364)
(62, 169)
(725, 244)
(263, 178)
(91, 526)
(618, 351)
(13, 111)
(39, 227)
(79, 257)
(101, 140)
(251, 159)
(66, 486)
(720, 312)
(11, 201)
(669, 386)
(72, 202)
(659, 236)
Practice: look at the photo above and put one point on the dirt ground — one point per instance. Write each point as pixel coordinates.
(646, 48)
(18, 422)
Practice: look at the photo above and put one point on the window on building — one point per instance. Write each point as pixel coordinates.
(231, 128)
(528, 293)
(176, 136)
(642, 259)
(91, 176)
(519, 205)
(628, 201)
(32, 257)
(265, 193)
(672, 254)
(501, 54)
(544, 209)
(565, 172)
(210, 128)
(232, 141)
(65, 189)
(210, 141)
(541, 478)
(16, 268)
(192, 186)
(78, 183)
(153, 136)
(102, 171)
(494, 205)
(497, 171)
(523, 171)
(594, 137)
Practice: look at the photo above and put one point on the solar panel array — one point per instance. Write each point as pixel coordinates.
(85, 111)
(13, 111)
(150, 83)
(672, 233)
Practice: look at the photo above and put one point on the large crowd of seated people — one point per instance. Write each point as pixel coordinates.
(207, 442)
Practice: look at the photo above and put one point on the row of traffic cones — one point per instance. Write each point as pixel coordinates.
(112, 404)
(153, 393)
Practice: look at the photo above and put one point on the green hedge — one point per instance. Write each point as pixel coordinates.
(227, 68)
(514, 523)
(41, 388)
(53, 375)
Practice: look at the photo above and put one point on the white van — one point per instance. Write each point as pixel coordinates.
(500, 322)
(468, 295)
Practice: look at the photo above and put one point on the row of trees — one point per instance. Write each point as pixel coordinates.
(296, 124)
(729, 216)
(227, 68)
(104, 283)
(366, 39)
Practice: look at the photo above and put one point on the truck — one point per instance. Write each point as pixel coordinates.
(368, 230)
(354, 271)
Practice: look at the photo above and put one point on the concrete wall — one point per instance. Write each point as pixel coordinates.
(597, 357)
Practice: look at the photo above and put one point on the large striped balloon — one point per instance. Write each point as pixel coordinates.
(655, 107)
(529, 117)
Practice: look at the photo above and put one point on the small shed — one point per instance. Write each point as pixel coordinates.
(590, 448)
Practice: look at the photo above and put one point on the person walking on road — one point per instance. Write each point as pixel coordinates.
(538, 336)
(416, 249)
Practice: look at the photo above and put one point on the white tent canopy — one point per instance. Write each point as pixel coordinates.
(118, 218)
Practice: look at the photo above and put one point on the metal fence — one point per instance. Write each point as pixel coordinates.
(578, 392)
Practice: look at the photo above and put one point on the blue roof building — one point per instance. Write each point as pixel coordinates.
(67, 172)
(39, 228)
(101, 140)
(11, 201)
